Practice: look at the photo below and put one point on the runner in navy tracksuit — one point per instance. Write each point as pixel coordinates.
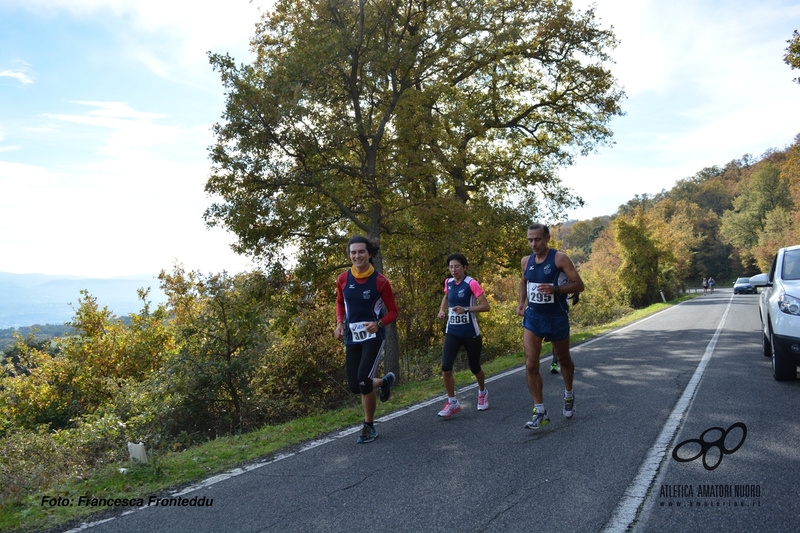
(543, 304)
(463, 298)
(361, 295)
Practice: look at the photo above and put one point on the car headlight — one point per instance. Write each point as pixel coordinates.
(789, 304)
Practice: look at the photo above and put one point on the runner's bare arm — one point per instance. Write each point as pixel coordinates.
(443, 307)
(522, 300)
(574, 283)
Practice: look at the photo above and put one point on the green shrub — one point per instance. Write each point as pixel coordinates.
(601, 301)
(302, 372)
(31, 461)
(501, 328)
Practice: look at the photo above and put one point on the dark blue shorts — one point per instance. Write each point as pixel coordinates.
(553, 327)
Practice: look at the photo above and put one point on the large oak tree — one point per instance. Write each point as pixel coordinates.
(406, 120)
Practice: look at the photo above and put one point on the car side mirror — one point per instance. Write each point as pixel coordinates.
(760, 280)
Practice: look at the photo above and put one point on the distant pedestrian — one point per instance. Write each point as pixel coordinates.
(705, 286)
(711, 284)
(361, 294)
(463, 298)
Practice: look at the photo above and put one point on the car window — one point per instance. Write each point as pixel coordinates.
(791, 265)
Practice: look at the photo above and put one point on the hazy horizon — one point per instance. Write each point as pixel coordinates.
(29, 299)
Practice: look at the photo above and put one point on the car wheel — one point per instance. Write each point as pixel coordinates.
(783, 368)
(766, 346)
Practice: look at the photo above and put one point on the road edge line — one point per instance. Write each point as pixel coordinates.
(627, 510)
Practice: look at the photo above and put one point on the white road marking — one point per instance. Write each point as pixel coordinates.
(625, 513)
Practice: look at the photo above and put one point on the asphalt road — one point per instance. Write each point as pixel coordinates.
(640, 391)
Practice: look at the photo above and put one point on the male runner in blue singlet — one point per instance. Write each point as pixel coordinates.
(543, 304)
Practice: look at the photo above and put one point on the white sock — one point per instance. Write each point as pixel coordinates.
(568, 394)
(453, 400)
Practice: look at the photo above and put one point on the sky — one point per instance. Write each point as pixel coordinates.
(106, 109)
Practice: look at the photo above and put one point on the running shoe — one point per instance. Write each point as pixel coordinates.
(483, 400)
(554, 368)
(538, 419)
(569, 406)
(386, 388)
(449, 409)
(368, 434)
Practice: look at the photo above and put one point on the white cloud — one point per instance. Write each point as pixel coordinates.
(121, 221)
(132, 133)
(136, 154)
(705, 81)
(15, 176)
(20, 76)
(706, 84)
(667, 45)
(170, 38)
(41, 129)
(133, 209)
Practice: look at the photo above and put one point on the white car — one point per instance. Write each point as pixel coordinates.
(779, 307)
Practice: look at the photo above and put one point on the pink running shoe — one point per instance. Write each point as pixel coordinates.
(449, 409)
(483, 400)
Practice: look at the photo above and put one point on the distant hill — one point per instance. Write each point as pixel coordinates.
(27, 299)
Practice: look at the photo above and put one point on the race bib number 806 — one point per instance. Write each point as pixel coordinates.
(456, 319)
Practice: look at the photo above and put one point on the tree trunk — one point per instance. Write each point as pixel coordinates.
(391, 348)
(391, 351)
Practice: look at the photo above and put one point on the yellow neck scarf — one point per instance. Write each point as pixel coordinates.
(360, 275)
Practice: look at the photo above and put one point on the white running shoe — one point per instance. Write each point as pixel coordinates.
(538, 419)
(569, 407)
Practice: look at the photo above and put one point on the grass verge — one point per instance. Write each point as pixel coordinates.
(62, 506)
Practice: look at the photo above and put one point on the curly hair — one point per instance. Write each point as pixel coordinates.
(372, 247)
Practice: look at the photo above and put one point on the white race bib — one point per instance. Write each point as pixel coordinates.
(455, 319)
(536, 297)
(358, 331)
